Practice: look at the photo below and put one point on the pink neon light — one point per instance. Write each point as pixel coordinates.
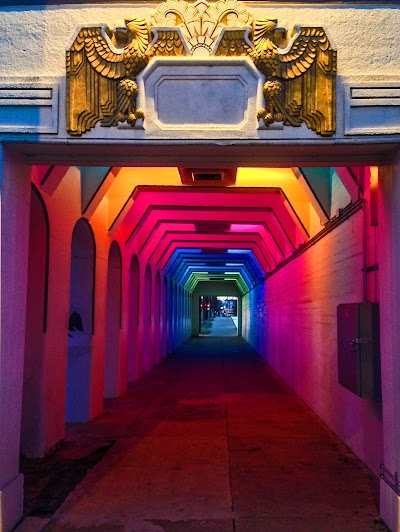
(245, 227)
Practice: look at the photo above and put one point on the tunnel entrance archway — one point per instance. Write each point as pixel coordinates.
(385, 292)
(81, 322)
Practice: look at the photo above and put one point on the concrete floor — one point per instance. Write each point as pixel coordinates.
(212, 440)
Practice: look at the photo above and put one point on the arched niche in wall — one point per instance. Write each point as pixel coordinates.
(157, 319)
(113, 321)
(147, 319)
(178, 314)
(177, 310)
(36, 320)
(182, 313)
(187, 313)
(173, 314)
(164, 318)
(170, 318)
(133, 322)
(81, 322)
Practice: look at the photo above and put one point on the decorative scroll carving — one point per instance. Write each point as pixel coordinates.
(102, 65)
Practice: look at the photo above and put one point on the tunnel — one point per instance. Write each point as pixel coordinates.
(123, 263)
(199, 282)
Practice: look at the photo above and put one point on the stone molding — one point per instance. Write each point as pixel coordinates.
(372, 107)
(28, 105)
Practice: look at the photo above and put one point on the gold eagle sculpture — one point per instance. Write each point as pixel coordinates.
(101, 84)
(300, 83)
(299, 70)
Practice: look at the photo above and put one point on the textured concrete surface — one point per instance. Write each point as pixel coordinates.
(32, 524)
(299, 340)
(212, 440)
(223, 326)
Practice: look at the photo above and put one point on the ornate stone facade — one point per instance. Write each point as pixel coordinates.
(300, 75)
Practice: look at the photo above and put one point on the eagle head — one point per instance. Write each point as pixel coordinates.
(138, 30)
(267, 25)
(136, 25)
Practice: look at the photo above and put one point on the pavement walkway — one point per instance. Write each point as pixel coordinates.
(212, 440)
(223, 326)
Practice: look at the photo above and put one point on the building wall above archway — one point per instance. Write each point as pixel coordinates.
(179, 97)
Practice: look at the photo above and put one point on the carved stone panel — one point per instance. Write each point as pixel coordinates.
(215, 96)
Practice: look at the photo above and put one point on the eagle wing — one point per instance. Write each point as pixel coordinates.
(167, 42)
(309, 67)
(233, 42)
(93, 65)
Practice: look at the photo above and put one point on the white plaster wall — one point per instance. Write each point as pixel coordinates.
(291, 321)
(366, 38)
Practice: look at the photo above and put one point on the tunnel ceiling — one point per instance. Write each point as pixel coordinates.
(214, 224)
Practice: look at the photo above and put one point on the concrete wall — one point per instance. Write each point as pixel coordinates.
(15, 204)
(389, 220)
(291, 321)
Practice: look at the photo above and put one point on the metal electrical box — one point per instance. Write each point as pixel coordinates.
(358, 349)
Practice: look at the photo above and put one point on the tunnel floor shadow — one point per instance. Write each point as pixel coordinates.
(212, 439)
